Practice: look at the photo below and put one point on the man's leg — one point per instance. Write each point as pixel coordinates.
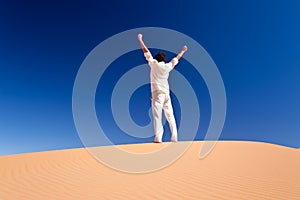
(157, 106)
(168, 110)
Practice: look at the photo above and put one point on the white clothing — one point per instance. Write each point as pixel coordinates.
(160, 73)
(161, 96)
(161, 102)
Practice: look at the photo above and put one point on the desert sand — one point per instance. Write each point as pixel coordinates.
(233, 170)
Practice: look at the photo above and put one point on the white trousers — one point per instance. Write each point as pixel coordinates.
(161, 101)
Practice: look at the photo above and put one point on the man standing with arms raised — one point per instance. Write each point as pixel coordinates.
(160, 91)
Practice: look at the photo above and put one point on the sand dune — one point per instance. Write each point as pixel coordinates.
(234, 170)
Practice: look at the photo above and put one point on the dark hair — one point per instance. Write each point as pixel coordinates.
(161, 56)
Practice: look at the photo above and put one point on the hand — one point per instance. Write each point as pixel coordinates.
(140, 36)
(184, 48)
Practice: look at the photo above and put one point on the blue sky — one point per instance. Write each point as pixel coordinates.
(255, 45)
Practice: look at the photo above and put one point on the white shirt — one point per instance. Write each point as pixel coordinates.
(160, 73)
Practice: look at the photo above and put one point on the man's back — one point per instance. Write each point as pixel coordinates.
(160, 73)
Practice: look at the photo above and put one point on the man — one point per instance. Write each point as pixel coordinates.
(160, 90)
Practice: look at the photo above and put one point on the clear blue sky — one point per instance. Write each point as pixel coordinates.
(255, 45)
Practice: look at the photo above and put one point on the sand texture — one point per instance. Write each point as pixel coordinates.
(233, 170)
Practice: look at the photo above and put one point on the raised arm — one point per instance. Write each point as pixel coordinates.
(180, 54)
(175, 60)
(144, 48)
